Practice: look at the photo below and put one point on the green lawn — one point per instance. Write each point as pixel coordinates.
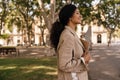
(28, 69)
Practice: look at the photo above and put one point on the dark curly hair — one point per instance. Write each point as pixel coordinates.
(65, 13)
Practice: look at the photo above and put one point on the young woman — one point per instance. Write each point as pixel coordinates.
(69, 49)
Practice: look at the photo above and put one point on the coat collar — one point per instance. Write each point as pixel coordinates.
(74, 33)
(71, 30)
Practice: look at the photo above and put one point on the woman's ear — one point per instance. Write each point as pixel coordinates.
(70, 19)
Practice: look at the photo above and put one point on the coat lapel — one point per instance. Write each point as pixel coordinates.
(76, 36)
(79, 42)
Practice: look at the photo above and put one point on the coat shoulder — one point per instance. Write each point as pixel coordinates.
(66, 33)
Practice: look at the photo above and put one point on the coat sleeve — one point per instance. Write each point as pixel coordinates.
(65, 62)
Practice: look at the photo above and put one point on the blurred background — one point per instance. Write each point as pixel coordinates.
(28, 22)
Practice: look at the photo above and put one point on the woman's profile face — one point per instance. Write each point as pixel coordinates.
(76, 18)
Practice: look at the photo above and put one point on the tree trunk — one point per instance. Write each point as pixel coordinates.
(50, 19)
(52, 11)
(1, 27)
(42, 34)
(110, 36)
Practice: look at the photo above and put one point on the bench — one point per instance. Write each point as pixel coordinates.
(9, 50)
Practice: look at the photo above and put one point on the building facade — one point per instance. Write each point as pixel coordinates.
(93, 33)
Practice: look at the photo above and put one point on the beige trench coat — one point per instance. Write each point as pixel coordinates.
(69, 52)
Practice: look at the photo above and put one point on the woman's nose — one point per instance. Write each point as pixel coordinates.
(81, 16)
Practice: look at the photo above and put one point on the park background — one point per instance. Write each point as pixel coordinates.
(25, 26)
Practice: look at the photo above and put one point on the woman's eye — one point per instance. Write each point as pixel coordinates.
(77, 13)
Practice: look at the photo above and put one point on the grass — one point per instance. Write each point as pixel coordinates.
(28, 69)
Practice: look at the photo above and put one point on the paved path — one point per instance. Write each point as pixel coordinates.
(106, 63)
(36, 52)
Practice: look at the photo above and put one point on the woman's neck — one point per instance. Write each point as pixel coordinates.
(73, 26)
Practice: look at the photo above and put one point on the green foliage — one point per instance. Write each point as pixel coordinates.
(23, 15)
(4, 10)
(4, 36)
(110, 10)
(22, 12)
(46, 1)
(117, 33)
(85, 9)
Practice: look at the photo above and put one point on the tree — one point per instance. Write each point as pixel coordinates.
(26, 8)
(5, 37)
(110, 9)
(50, 12)
(42, 27)
(4, 10)
(14, 18)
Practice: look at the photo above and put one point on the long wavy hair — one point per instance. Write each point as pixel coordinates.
(57, 27)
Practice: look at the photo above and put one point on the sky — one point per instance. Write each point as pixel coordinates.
(95, 2)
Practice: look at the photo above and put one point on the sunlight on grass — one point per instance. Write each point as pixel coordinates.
(7, 67)
(45, 67)
(52, 73)
(28, 68)
(37, 67)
